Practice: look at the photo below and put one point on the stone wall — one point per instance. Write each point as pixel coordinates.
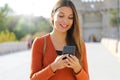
(9, 47)
(111, 44)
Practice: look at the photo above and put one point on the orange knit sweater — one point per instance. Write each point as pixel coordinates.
(39, 72)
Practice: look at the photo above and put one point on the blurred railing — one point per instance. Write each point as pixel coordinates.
(9, 47)
(111, 44)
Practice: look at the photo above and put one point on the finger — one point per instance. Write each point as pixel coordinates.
(58, 58)
(64, 56)
(74, 58)
(67, 65)
(71, 63)
(70, 59)
(74, 61)
(61, 56)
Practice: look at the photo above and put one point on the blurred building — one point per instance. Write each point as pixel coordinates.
(95, 19)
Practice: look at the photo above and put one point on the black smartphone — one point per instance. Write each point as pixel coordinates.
(69, 50)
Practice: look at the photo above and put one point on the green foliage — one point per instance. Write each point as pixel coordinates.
(4, 12)
(31, 25)
(114, 12)
(7, 36)
(44, 25)
(21, 25)
(114, 19)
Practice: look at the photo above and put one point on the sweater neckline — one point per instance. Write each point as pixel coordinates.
(52, 44)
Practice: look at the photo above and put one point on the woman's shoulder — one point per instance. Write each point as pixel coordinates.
(83, 45)
(40, 39)
(83, 42)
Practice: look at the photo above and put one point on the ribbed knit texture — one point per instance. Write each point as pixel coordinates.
(40, 72)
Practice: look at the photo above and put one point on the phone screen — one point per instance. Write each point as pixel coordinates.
(69, 50)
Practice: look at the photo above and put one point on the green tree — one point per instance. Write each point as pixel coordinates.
(4, 12)
(43, 24)
(114, 19)
(31, 25)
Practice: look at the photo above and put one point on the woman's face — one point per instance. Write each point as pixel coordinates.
(63, 19)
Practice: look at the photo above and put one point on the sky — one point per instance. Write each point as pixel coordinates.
(30, 7)
(33, 7)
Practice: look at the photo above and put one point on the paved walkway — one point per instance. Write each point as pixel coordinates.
(102, 64)
(15, 66)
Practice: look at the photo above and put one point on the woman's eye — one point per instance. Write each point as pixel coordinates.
(70, 17)
(61, 16)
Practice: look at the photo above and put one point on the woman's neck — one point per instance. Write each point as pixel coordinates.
(58, 36)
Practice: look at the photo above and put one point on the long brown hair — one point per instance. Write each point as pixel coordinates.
(74, 33)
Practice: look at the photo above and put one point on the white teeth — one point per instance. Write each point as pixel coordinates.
(64, 25)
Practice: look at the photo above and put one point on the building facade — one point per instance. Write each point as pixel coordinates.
(95, 19)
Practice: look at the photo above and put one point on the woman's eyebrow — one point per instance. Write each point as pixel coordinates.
(64, 13)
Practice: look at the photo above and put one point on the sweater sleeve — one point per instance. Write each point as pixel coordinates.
(83, 74)
(37, 72)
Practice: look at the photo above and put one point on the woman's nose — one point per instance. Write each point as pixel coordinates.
(65, 20)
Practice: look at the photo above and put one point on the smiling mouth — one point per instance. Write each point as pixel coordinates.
(63, 26)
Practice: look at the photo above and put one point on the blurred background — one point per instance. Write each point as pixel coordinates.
(21, 21)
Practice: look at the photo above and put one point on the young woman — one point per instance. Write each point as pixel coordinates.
(66, 31)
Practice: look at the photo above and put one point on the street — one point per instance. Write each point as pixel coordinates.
(15, 66)
(102, 64)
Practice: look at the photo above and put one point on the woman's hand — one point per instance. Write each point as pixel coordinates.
(73, 62)
(59, 63)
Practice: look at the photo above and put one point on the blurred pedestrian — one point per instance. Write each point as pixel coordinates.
(29, 41)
